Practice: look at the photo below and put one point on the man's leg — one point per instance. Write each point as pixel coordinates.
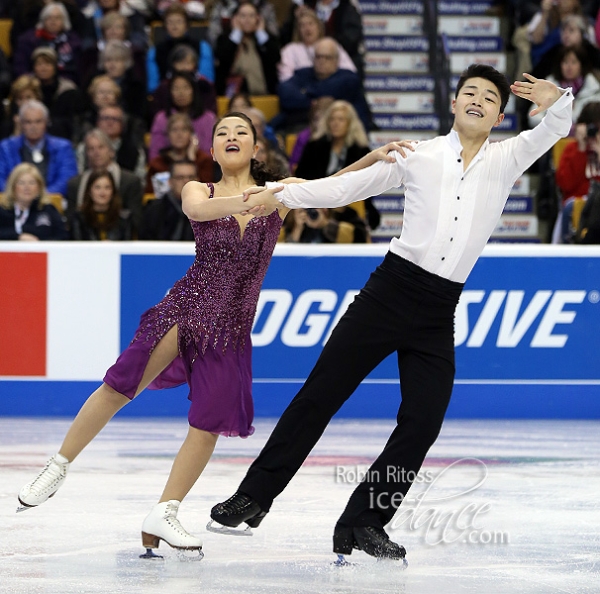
(426, 383)
(354, 349)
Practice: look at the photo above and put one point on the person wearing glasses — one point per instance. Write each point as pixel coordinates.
(164, 219)
(324, 79)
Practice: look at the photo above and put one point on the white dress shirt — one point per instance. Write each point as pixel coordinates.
(449, 213)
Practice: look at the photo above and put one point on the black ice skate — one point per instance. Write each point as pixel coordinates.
(373, 541)
(231, 513)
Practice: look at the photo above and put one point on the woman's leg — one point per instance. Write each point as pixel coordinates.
(189, 463)
(105, 402)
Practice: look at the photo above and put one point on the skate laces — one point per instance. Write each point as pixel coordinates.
(171, 519)
(236, 503)
(53, 472)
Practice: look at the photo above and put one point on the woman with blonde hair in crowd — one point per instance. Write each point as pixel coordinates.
(26, 213)
(338, 141)
(300, 53)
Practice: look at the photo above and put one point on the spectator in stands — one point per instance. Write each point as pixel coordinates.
(544, 27)
(247, 57)
(26, 13)
(183, 145)
(274, 160)
(194, 9)
(53, 156)
(26, 213)
(133, 10)
(114, 27)
(183, 58)
(573, 70)
(60, 95)
(116, 60)
(342, 22)
(223, 11)
(315, 225)
(339, 141)
(53, 30)
(239, 101)
(164, 219)
(574, 31)
(324, 79)
(5, 76)
(260, 124)
(300, 52)
(184, 97)
(124, 135)
(100, 156)
(580, 160)
(177, 25)
(100, 216)
(26, 87)
(317, 109)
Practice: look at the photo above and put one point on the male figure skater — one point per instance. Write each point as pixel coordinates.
(455, 190)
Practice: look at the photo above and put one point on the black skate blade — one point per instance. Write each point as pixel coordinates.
(217, 528)
(150, 554)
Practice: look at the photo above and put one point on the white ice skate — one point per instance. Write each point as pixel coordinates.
(162, 524)
(45, 485)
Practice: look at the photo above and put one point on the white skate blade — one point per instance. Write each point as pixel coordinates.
(23, 508)
(191, 555)
(220, 529)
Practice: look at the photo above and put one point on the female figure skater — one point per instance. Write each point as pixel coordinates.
(199, 333)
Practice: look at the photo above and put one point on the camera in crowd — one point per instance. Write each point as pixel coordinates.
(312, 214)
(592, 130)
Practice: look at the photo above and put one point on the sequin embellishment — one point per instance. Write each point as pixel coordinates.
(216, 299)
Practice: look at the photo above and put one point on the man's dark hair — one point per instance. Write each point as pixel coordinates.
(488, 73)
(175, 163)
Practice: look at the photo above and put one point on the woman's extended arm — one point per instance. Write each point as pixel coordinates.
(197, 206)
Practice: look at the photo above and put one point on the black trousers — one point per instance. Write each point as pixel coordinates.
(402, 308)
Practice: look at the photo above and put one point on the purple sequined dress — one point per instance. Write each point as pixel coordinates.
(213, 306)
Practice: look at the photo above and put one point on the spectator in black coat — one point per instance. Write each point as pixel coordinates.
(339, 140)
(164, 219)
(26, 213)
(247, 57)
(100, 217)
(60, 95)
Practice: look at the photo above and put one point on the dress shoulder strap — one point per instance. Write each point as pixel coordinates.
(211, 187)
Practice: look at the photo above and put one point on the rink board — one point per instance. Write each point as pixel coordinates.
(526, 327)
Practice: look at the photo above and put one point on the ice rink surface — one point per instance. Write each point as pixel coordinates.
(499, 507)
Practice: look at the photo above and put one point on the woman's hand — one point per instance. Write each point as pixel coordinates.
(261, 201)
(383, 152)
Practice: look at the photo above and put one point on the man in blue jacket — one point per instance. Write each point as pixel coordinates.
(53, 156)
(324, 79)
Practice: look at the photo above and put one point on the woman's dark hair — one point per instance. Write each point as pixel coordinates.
(258, 170)
(244, 3)
(245, 96)
(488, 73)
(90, 216)
(579, 53)
(196, 109)
(179, 53)
(590, 114)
